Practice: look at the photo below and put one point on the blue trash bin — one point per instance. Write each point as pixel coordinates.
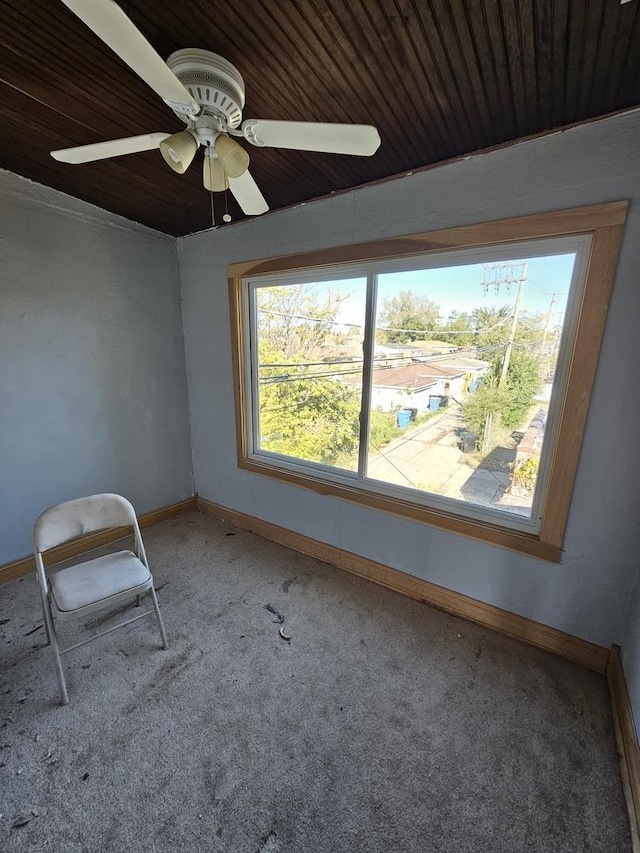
(403, 417)
(434, 404)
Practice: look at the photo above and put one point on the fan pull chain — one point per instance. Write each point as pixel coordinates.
(208, 162)
(226, 216)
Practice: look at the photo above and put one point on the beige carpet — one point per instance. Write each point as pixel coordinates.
(383, 725)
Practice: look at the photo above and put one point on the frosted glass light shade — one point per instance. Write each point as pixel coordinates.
(234, 159)
(213, 176)
(179, 150)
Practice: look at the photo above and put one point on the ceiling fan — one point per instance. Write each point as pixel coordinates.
(207, 93)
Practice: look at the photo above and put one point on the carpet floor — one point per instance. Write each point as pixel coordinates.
(382, 725)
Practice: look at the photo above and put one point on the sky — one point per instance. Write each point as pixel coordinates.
(460, 288)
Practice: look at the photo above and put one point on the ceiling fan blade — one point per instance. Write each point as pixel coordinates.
(109, 22)
(113, 148)
(361, 139)
(248, 195)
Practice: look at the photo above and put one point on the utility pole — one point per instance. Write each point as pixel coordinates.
(545, 334)
(514, 325)
(496, 275)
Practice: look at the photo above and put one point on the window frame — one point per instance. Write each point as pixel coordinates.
(603, 224)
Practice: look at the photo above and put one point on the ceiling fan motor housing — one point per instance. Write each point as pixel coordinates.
(212, 82)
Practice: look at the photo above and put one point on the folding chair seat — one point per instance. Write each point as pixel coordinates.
(77, 587)
(77, 591)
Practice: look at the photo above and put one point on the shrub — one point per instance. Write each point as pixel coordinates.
(524, 474)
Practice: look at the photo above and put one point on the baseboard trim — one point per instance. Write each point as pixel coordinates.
(627, 739)
(25, 565)
(518, 627)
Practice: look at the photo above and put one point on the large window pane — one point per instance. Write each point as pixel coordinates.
(309, 347)
(464, 366)
(477, 371)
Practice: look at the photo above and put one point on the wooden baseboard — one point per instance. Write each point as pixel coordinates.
(627, 740)
(518, 627)
(26, 565)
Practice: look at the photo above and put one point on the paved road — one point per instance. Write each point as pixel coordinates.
(428, 458)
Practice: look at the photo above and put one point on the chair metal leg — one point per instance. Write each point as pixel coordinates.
(138, 600)
(46, 623)
(163, 636)
(51, 633)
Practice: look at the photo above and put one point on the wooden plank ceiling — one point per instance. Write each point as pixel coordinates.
(439, 78)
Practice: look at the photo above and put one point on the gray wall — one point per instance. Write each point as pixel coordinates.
(93, 391)
(630, 642)
(588, 593)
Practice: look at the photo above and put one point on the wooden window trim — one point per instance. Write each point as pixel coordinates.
(604, 222)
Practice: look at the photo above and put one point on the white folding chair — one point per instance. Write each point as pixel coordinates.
(78, 591)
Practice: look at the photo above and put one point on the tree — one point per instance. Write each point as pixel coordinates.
(408, 316)
(458, 330)
(303, 410)
(312, 418)
(294, 320)
(507, 404)
(522, 384)
(484, 318)
(491, 326)
(530, 331)
(484, 407)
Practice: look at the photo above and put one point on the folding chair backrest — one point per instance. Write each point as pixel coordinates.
(66, 521)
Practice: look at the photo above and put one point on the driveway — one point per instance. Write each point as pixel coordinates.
(428, 458)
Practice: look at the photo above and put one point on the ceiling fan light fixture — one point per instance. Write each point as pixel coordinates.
(179, 150)
(232, 157)
(213, 175)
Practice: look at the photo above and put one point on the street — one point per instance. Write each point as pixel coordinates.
(429, 458)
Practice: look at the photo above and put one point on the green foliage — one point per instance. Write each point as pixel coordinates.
(304, 411)
(524, 474)
(293, 321)
(491, 325)
(487, 400)
(522, 383)
(307, 413)
(481, 327)
(382, 428)
(457, 330)
(408, 311)
(509, 403)
(316, 419)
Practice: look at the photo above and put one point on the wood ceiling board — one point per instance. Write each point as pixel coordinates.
(69, 49)
(608, 45)
(489, 69)
(372, 34)
(439, 78)
(425, 78)
(594, 13)
(435, 41)
(111, 117)
(48, 130)
(543, 23)
(630, 76)
(107, 183)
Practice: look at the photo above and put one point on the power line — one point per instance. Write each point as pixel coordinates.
(381, 328)
(329, 374)
(415, 359)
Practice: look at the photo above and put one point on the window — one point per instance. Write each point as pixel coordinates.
(443, 377)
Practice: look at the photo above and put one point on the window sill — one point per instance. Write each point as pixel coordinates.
(493, 534)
